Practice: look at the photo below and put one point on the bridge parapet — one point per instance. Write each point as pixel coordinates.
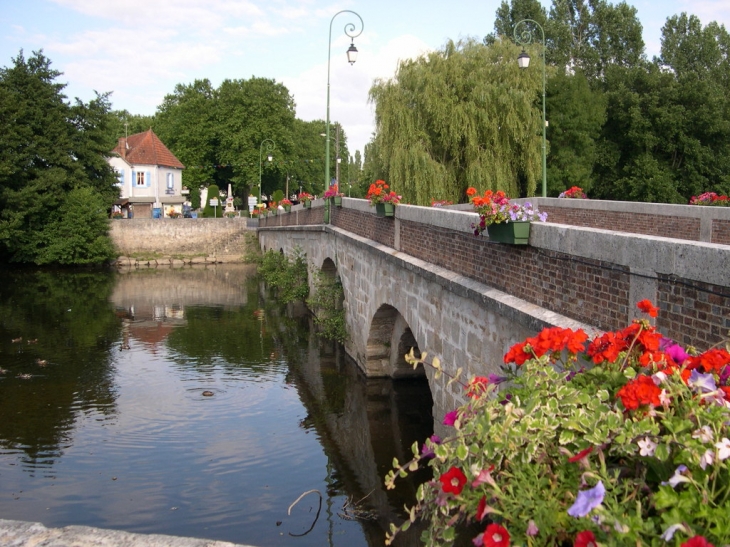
(592, 275)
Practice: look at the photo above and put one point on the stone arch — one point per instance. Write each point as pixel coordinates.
(390, 338)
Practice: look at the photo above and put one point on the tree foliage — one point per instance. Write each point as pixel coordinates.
(53, 169)
(458, 117)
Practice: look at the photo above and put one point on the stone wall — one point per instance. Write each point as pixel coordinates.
(206, 237)
(592, 275)
(464, 322)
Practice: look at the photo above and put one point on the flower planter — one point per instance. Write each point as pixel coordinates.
(385, 209)
(307, 204)
(515, 233)
(338, 201)
(287, 208)
(326, 215)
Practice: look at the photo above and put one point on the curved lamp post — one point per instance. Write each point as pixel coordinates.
(524, 38)
(351, 57)
(270, 146)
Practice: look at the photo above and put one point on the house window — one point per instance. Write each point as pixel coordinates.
(170, 183)
(120, 178)
(140, 178)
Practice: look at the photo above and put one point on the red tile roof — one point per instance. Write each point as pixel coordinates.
(146, 149)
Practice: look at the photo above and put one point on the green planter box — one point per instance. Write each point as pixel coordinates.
(385, 209)
(338, 201)
(307, 204)
(515, 233)
(287, 208)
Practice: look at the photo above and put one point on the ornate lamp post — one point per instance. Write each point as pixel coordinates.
(270, 146)
(351, 57)
(524, 38)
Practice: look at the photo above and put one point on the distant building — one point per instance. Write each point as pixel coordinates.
(150, 177)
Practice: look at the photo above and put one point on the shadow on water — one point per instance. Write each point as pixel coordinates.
(364, 422)
(189, 402)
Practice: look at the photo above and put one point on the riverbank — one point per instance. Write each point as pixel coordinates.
(16, 533)
(182, 242)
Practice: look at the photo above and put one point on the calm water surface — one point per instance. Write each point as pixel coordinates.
(187, 402)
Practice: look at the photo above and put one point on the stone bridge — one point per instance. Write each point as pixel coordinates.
(423, 280)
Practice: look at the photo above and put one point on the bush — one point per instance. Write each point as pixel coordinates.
(287, 275)
(79, 235)
(326, 304)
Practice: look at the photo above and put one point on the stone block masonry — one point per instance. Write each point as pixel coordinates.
(196, 240)
(677, 256)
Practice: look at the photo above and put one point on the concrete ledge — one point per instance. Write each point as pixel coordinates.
(15, 533)
(695, 260)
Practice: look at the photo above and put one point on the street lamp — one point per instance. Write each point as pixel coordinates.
(351, 57)
(270, 146)
(524, 38)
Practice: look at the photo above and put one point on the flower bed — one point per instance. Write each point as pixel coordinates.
(621, 440)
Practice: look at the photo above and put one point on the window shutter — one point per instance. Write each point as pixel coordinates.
(147, 179)
(134, 178)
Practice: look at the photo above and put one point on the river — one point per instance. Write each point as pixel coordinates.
(189, 402)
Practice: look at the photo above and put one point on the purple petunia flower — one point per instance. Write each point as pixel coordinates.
(677, 477)
(674, 350)
(426, 450)
(450, 418)
(496, 380)
(587, 500)
(702, 382)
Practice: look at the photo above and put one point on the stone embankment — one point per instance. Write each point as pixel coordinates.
(182, 242)
(15, 533)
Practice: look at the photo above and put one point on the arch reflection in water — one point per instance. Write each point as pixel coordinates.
(117, 432)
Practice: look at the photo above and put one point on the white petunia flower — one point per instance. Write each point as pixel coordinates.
(708, 458)
(723, 449)
(704, 434)
(646, 446)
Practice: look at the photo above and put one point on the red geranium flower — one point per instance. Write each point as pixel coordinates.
(640, 391)
(496, 536)
(453, 481)
(647, 307)
(477, 386)
(697, 541)
(585, 539)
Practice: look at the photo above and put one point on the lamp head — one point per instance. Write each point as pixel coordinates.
(523, 60)
(352, 53)
(269, 157)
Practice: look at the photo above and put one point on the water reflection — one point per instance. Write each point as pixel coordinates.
(55, 358)
(188, 402)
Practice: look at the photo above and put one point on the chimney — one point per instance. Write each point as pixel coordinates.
(122, 146)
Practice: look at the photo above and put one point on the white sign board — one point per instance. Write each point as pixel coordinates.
(214, 202)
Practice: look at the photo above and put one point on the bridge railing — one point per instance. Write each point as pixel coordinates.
(591, 261)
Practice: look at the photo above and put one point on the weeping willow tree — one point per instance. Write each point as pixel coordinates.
(465, 115)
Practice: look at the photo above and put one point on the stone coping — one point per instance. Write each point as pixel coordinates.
(686, 259)
(529, 315)
(15, 533)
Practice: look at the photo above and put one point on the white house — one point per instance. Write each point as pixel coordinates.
(150, 176)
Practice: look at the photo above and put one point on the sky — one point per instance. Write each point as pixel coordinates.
(140, 49)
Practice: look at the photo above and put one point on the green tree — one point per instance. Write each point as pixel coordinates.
(186, 123)
(248, 112)
(47, 149)
(577, 115)
(593, 35)
(461, 116)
